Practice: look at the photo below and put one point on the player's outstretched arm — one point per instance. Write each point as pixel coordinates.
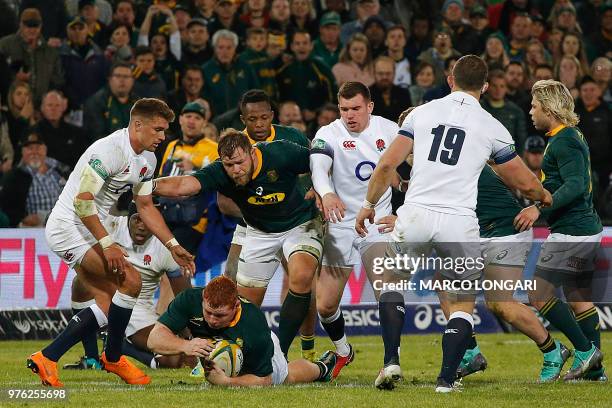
(163, 341)
(176, 186)
(154, 221)
(516, 175)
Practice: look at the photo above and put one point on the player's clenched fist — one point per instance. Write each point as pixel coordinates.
(197, 347)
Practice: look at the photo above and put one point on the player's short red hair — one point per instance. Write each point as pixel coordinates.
(220, 292)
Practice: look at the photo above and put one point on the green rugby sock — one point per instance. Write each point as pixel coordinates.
(589, 324)
(292, 314)
(560, 315)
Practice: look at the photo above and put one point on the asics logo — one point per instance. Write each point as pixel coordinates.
(401, 309)
(451, 331)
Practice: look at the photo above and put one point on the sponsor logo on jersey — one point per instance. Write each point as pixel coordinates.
(272, 176)
(380, 145)
(143, 171)
(96, 165)
(268, 199)
(349, 145)
(147, 260)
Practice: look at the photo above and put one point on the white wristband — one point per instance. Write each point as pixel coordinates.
(171, 243)
(368, 205)
(105, 242)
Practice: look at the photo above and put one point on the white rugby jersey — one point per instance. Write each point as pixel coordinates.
(355, 155)
(152, 259)
(113, 158)
(453, 139)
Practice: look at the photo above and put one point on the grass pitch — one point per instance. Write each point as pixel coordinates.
(510, 380)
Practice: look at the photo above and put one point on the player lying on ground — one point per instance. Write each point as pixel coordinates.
(152, 260)
(452, 138)
(568, 255)
(112, 165)
(217, 311)
(263, 181)
(343, 156)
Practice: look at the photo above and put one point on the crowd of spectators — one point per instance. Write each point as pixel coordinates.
(70, 71)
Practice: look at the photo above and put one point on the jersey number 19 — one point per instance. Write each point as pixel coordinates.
(453, 142)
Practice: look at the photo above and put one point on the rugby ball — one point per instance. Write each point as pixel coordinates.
(227, 355)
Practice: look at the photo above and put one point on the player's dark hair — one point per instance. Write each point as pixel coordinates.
(150, 108)
(220, 292)
(230, 140)
(470, 73)
(351, 89)
(254, 96)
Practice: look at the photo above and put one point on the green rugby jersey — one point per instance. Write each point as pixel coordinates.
(279, 132)
(249, 329)
(566, 173)
(273, 201)
(496, 207)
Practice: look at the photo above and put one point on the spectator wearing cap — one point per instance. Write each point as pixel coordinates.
(520, 34)
(54, 18)
(84, 65)
(395, 42)
(124, 14)
(364, 10)
(256, 14)
(355, 62)
(327, 46)
(389, 99)
(256, 56)
(182, 14)
(105, 9)
(464, 37)
(375, 30)
(480, 23)
(306, 80)
(172, 30)
(436, 55)
(564, 18)
(191, 89)
(65, 142)
(147, 83)
(595, 126)
(505, 111)
(196, 50)
(96, 28)
(31, 189)
(225, 76)
(495, 54)
(191, 152)
(30, 58)
(226, 12)
(109, 109)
